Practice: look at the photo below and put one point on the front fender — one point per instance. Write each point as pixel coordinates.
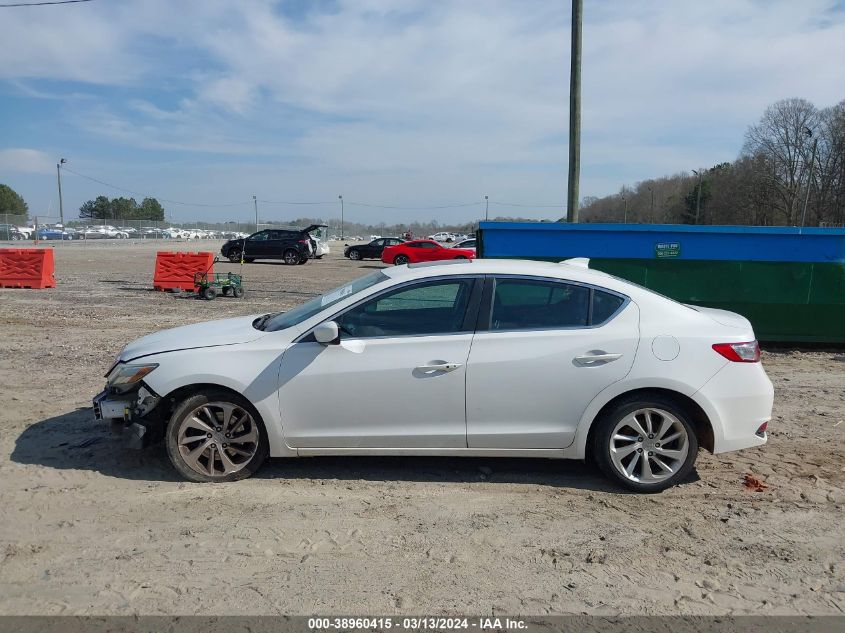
(251, 370)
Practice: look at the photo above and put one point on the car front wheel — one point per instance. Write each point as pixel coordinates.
(646, 444)
(235, 257)
(354, 255)
(216, 436)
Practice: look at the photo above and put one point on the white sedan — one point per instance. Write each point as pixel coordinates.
(512, 358)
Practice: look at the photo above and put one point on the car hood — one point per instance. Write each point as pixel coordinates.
(207, 334)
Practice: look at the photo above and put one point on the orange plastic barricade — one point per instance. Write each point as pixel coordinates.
(27, 268)
(176, 270)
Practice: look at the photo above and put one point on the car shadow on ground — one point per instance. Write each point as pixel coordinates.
(76, 441)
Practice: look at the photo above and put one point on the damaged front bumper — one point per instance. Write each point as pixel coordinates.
(129, 414)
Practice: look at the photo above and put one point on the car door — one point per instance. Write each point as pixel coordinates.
(374, 249)
(255, 245)
(428, 251)
(543, 350)
(405, 349)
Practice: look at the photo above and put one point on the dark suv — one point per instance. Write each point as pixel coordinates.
(293, 246)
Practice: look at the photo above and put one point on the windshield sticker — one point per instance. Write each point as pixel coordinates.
(337, 295)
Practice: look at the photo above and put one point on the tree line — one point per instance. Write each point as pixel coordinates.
(104, 208)
(790, 171)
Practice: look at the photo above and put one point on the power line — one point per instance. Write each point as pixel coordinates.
(40, 4)
(146, 195)
(382, 206)
(457, 205)
(293, 203)
(536, 206)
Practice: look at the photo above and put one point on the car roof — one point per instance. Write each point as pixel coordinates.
(571, 270)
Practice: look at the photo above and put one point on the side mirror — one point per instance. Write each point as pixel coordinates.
(327, 333)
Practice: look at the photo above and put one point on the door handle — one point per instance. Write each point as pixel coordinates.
(589, 360)
(440, 367)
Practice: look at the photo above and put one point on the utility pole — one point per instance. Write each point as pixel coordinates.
(651, 217)
(255, 203)
(625, 216)
(61, 162)
(575, 112)
(698, 196)
(486, 207)
(809, 134)
(340, 197)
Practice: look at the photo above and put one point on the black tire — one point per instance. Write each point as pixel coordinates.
(461, 257)
(602, 437)
(235, 256)
(291, 257)
(303, 260)
(190, 404)
(400, 260)
(238, 292)
(226, 291)
(355, 254)
(209, 293)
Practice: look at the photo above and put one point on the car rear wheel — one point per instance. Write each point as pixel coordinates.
(355, 255)
(399, 260)
(216, 436)
(291, 257)
(646, 444)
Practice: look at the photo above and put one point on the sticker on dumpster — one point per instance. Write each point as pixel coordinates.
(663, 250)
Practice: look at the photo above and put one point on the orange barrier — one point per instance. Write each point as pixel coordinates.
(27, 268)
(176, 270)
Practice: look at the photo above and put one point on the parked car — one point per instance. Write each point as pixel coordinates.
(53, 234)
(372, 250)
(25, 231)
(95, 233)
(291, 246)
(422, 251)
(442, 236)
(467, 243)
(512, 358)
(321, 248)
(10, 232)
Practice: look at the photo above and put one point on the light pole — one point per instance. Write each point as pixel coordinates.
(625, 203)
(61, 162)
(809, 133)
(340, 197)
(698, 196)
(255, 203)
(486, 207)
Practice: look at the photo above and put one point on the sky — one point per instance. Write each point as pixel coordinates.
(419, 105)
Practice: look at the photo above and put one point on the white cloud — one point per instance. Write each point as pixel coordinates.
(27, 161)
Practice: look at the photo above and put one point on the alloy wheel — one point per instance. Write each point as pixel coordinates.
(648, 445)
(217, 439)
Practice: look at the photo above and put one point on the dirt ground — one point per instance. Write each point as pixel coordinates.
(89, 527)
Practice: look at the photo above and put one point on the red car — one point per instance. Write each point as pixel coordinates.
(423, 251)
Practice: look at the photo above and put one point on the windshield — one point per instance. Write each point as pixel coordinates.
(284, 320)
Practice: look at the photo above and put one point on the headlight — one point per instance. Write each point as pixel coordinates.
(123, 375)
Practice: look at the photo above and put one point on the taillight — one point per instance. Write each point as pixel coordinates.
(303, 241)
(761, 430)
(739, 352)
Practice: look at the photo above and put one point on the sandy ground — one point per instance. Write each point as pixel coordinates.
(90, 527)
